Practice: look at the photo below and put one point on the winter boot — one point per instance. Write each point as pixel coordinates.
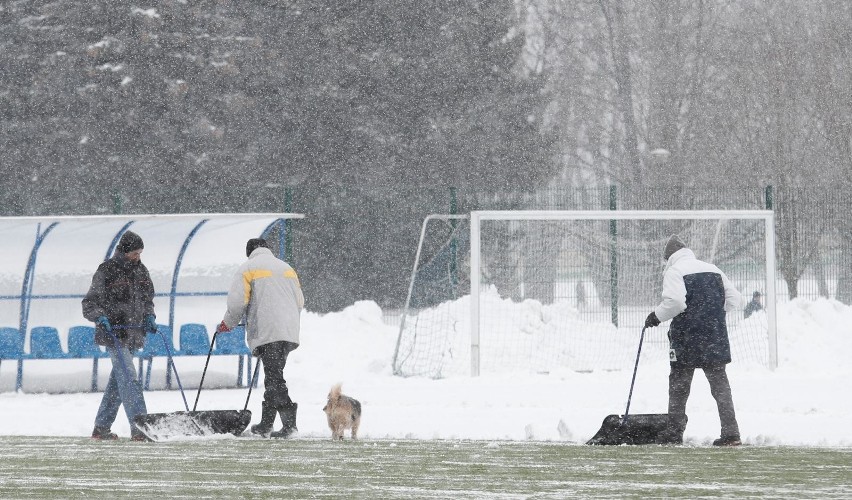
(137, 435)
(267, 419)
(728, 441)
(288, 419)
(105, 434)
(673, 433)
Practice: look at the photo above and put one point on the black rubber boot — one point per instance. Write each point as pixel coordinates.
(288, 419)
(267, 419)
(728, 441)
(673, 433)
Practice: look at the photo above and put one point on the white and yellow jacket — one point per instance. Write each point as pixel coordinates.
(266, 290)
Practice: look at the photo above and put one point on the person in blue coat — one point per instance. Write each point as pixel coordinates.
(696, 297)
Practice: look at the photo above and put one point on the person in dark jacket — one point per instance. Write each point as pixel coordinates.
(696, 298)
(753, 306)
(120, 302)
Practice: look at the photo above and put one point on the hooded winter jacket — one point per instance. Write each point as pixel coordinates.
(122, 291)
(696, 296)
(266, 290)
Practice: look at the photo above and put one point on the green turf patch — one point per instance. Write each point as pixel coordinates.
(56, 467)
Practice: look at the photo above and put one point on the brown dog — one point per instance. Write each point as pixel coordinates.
(343, 413)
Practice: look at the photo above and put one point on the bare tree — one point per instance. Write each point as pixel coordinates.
(831, 50)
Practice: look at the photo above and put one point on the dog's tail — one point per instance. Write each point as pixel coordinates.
(336, 391)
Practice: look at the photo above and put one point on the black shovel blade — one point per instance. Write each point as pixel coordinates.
(159, 426)
(639, 429)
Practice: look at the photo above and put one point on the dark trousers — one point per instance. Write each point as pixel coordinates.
(274, 357)
(680, 382)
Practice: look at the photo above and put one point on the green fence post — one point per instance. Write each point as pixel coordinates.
(288, 226)
(613, 257)
(768, 196)
(116, 203)
(454, 274)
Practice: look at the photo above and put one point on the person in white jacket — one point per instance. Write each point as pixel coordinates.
(266, 291)
(696, 298)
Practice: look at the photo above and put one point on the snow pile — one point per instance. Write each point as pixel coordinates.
(803, 403)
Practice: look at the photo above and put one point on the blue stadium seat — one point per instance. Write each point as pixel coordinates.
(154, 347)
(44, 343)
(81, 343)
(154, 344)
(11, 344)
(194, 340)
(232, 343)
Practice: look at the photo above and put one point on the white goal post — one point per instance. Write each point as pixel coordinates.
(539, 291)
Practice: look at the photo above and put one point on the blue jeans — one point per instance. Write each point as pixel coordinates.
(123, 387)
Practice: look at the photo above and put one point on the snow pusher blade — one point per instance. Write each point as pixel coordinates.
(632, 429)
(159, 426)
(637, 429)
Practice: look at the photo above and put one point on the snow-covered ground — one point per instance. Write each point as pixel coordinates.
(804, 402)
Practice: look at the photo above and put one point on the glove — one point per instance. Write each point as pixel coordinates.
(652, 320)
(222, 327)
(150, 324)
(103, 322)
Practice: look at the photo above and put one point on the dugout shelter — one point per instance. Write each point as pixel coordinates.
(47, 265)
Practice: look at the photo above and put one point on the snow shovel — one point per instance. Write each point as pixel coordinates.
(631, 429)
(159, 426)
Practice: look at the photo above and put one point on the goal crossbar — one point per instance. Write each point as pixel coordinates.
(620, 214)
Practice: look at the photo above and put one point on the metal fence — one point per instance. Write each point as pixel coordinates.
(813, 230)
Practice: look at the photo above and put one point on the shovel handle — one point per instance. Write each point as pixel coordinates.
(209, 352)
(172, 364)
(633, 381)
(204, 373)
(118, 347)
(252, 381)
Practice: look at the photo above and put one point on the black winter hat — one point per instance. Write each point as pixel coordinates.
(673, 246)
(255, 243)
(129, 242)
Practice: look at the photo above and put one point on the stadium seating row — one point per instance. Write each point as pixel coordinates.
(194, 341)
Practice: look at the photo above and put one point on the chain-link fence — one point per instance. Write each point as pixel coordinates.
(813, 233)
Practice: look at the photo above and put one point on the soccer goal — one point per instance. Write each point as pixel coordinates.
(541, 291)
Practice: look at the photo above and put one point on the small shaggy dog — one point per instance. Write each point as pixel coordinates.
(343, 413)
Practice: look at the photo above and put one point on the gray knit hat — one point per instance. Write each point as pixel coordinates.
(674, 244)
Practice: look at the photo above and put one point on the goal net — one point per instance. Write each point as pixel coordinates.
(540, 291)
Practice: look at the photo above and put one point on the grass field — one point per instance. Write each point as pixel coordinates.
(58, 467)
